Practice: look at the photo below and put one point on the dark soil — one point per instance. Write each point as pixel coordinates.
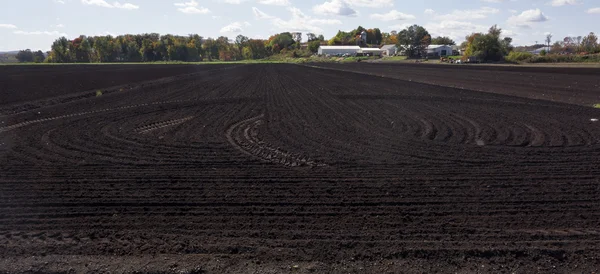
(26, 83)
(291, 169)
(579, 86)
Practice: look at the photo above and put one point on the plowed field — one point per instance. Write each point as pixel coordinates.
(294, 169)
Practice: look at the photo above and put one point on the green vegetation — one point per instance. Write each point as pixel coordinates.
(597, 106)
(526, 57)
(98, 93)
(489, 46)
(517, 57)
(374, 37)
(356, 59)
(556, 58)
(394, 58)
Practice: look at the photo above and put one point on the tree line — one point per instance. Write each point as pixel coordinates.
(579, 44)
(413, 42)
(154, 47)
(28, 56)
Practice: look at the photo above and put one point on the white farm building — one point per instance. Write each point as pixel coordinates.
(439, 50)
(339, 50)
(389, 50)
(371, 51)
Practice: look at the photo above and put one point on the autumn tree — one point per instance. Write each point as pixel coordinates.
(255, 49)
(281, 41)
(389, 38)
(590, 43)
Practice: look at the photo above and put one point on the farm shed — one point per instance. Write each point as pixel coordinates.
(389, 50)
(371, 51)
(439, 50)
(336, 50)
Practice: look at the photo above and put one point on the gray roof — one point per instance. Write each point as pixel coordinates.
(386, 47)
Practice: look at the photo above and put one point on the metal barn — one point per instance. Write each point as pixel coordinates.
(339, 50)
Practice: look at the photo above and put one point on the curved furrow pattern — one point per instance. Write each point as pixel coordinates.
(267, 167)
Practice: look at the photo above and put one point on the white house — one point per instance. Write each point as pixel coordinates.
(439, 50)
(339, 50)
(389, 50)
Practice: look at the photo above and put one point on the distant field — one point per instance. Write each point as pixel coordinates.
(574, 85)
(28, 82)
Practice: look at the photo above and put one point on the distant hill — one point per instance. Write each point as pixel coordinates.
(8, 56)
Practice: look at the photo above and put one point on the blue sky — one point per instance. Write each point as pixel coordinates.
(35, 24)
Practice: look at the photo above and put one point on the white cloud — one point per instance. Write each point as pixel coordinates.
(235, 27)
(558, 3)
(7, 26)
(349, 7)
(525, 18)
(455, 15)
(371, 3)
(335, 7)
(498, 1)
(393, 15)
(235, 2)
(299, 22)
(49, 33)
(509, 33)
(58, 26)
(59, 1)
(100, 3)
(258, 14)
(103, 3)
(191, 8)
(457, 30)
(105, 34)
(594, 10)
(126, 6)
(274, 2)
(399, 27)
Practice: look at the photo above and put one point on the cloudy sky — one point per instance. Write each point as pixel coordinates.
(35, 24)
